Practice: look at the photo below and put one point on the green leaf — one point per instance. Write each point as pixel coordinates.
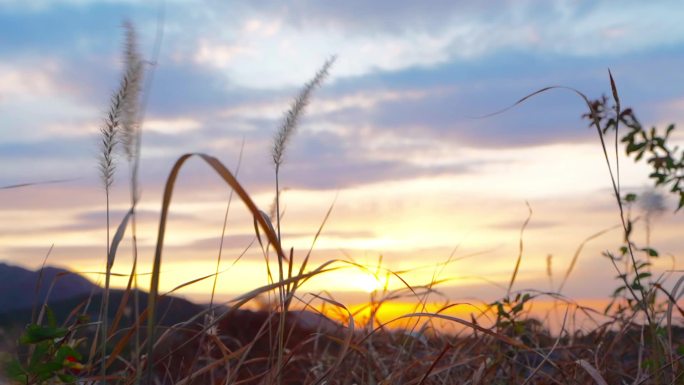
(500, 310)
(517, 308)
(39, 353)
(46, 370)
(607, 309)
(52, 321)
(36, 333)
(669, 129)
(633, 147)
(15, 371)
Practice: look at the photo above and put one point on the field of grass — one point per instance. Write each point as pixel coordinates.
(295, 338)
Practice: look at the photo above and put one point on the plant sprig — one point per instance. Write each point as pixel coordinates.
(665, 159)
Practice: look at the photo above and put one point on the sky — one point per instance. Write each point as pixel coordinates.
(392, 140)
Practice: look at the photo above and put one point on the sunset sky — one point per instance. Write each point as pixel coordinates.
(391, 137)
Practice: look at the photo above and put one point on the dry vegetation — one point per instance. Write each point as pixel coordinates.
(636, 341)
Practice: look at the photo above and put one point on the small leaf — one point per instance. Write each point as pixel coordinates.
(14, 370)
(632, 147)
(36, 333)
(643, 275)
(618, 291)
(639, 156)
(517, 308)
(613, 88)
(669, 129)
(500, 310)
(39, 353)
(52, 321)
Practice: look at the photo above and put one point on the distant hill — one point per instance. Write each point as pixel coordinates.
(18, 286)
(71, 291)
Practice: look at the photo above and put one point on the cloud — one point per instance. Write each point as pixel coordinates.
(372, 37)
(218, 55)
(172, 126)
(17, 81)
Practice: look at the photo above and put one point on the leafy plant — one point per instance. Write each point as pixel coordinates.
(666, 160)
(509, 310)
(52, 355)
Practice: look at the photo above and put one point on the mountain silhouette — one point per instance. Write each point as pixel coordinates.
(22, 288)
(25, 291)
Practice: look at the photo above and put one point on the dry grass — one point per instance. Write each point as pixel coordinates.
(635, 342)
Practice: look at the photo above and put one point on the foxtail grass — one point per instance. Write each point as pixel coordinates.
(280, 142)
(132, 134)
(120, 127)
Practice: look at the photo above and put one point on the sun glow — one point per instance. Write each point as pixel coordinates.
(369, 283)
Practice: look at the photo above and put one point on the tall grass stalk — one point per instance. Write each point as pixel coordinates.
(211, 314)
(652, 322)
(140, 108)
(110, 131)
(289, 125)
(259, 219)
(282, 137)
(131, 133)
(223, 230)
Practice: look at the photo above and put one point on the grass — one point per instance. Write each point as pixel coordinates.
(635, 339)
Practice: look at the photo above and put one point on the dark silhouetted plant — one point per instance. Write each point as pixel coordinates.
(654, 145)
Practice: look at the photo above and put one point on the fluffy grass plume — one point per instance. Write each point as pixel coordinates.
(120, 125)
(131, 98)
(289, 125)
(110, 135)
